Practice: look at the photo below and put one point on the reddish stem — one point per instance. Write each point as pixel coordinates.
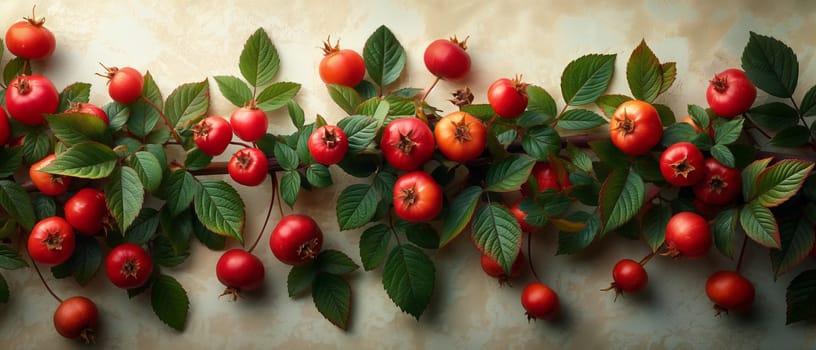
(268, 214)
(530, 255)
(742, 253)
(36, 268)
(166, 120)
(428, 92)
(646, 259)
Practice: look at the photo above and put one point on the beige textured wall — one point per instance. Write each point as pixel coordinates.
(187, 40)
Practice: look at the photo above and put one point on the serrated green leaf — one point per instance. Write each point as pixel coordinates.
(118, 115)
(699, 116)
(796, 233)
(608, 153)
(460, 212)
(743, 154)
(276, 95)
(541, 141)
(481, 111)
(401, 106)
(621, 198)
(74, 93)
(88, 160)
(497, 234)
(408, 278)
(259, 59)
(422, 234)
(360, 131)
(144, 227)
(654, 224)
(530, 119)
(580, 119)
(801, 297)
(609, 103)
(781, 181)
(44, 206)
(644, 73)
(678, 132)
(579, 158)
(332, 297)
(760, 225)
(234, 90)
(586, 79)
(169, 301)
(178, 229)
(345, 97)
(296, 113)
(301, 278)
(356, 206)
(571, 243)
(318, 175)
(290, 187)
(335, 262)
(373, 246)
(554, 203)
(794, 136)
(143, 115)
(750, 175)
(188, 102)
(302, 148)
(10, 259)
(36, 145)
(667, 117)
(196, 159)
(724, 229)
(728, 132)
(774, 116)
(536, 214)
(384, 57)
(4, 290)
(669, 70)
(210, 239)
(771, 65)
(15, 201)
(366, 89)
(723, 155)
(14, 68)
(286, 156)
(179, 188)
(648, 168)
(508, 174)
(808, 104)
(220, 209)
(124, 194)
(148, 168)
(539, 100)
(86, 259)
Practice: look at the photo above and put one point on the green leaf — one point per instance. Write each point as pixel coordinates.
(539, 100)
(259, 59)
(188, 102)
(277, 95)
(654, 225)
(460, 212)
(808, 104)
(143, 116)
(234, 90)
(724, 229)
(360, 131)
(774, 116)
(771, 65)
(781, 181)
(609, 103)
(586, 79)
(332, 297)
(318, 175)
(88, 160)
(422, 234)
(356, 206)
(14, 68)
(678, 132)
(669, 70)
(15, 201)
(408, 278)
(801, 297)
(220, 209)
(530, 119)
(118, 115)
(179, 188)
(335, 262)
(290, 187)
(196, 159)
(760, 225)
(580, 158)
(11, 160)
(286, 156)
(210, 239)
(796, 232)
(571, 243)
(10, 259)
(552, 202)
(728, 132)
(580, 119)
(541, 141)
(497, 234)
(144, 227)
(4, 290)
(166, 254)
(384, 57)
(699, 116)
(608, 153)
(481, 111)
(373, 246)
(366, 89)
(86, 259)
(794, 136)
(36, 145)
(302, 148)
(401, 106)
(169, 301)
(74, 93)
(648, 168)
(667, 117)
(750, 175)
(124, 194)
(621, 197)
(301, 278)
(644, 73)
(178, 229)
(509, 174)
(723, 155)
(148, 168)
(743, 154)
(296, 114)
(44, 206)
(345, 97)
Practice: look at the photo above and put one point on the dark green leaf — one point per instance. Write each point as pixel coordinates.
(286, 156)
(678, 132)
(724, 229)
(771, 65)
(4, 290)
(774, 116)
(580, 119)
(654, 225)
(373, 246)
(44, 206)
(220, 209)
(118, 115)
(608, 153)
(296, 114)
(743, 154)
(210, 239)
(801, 297)
(144, 227)
(234, 90)
(356, 206)
(158, 136)
(126, 146)
(15, 201)
(796, 232)
(579, 158)
(196, 159)
(335, 262)
(259, 59)
(318, 175)
(554, 203)
(781, 181)
(421, 234)
(794, 136)
(302, 148)
(669, 70)
(86, 259)
(170, 302)
(276, 95)
(384, 57)
(361, 165)
(179, 188)
(332, 297)
(750, 174)
(188, 102)
(699, 116)
(14, 68)
(401, 106)
(178, 229)
(74, 93)
(360, 131)
(366, 89)
(723, 155)
(728, 132)
(408, 278)
(36, 145)
(481, 111)
(644, 73)
(124, 194)
(648, 168)
(460, 212)
(571, 243)
(760, 224)
(541, 141)
(345, 97)
(667, 117)
(497, 234)
(508, 174)
(88, 160)
(10, 259)
(148, 168)
(530, 119)
(301, 278)
(586, 79)
(621, 197)
(143, 115)
(808, 105)
(167, 254)
(11, 159)
(539, 100)
(290, 187)
(609, 103)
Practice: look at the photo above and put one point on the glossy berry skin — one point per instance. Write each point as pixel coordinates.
(5, 127)
(730, 291)
(546, 178)
(682, 164)
(48, 184)
(128, 266)
(688, 235)
(76, 318)
(635, 127)
(629, 276)
(730, 93)
(249, 124)
(720, 185)
(508, 98)
(87, 211)
(407, 143)
(212, 135)
(29, 97)
(51, 241)
(540, 301)
(90, 109)
(30, 39)
(417, 197)
(239, 270)
(342, 67)
(328, 144)
(125, 84)
(296, 239)
(493, 269)
(460, 136)
(447, 59)
(248, 167)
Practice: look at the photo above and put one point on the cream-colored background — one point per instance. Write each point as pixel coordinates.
(186, 41)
